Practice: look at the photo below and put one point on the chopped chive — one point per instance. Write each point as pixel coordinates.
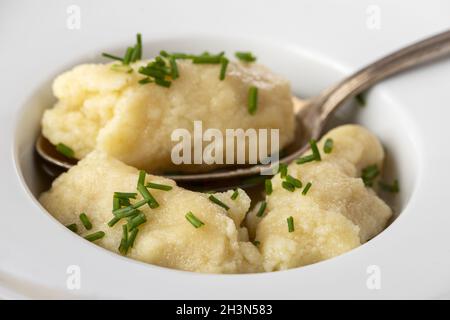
(360, 99)
(128, 54)
(256, 243)
(145, 80)
(85, 221)
(212, 198)
(223, 67)
(163, 83)
(125, 195)
(290, 222)
(288, 186)
(268, 186)
(394, 187)
(113, 221)
(252, 99)
(315, 150)
(328, 146)
(124, 212)
(178, 55)
(194, 220)
(139, 46)
(136, 221)
(124, 202)
(369, 174)
(139, 204)
(116, 204)
(95, 236)
(306, 188)
(141, 179)
(164, 54)
(283, 169)
(152, 203)
(207, 58)
(294, 181)
(245, 56)
(132, 237)
(261, 209)
(173, 68)
(123, 247)
(305, 159)
(72, 227)
(110, 56)
(235, 194)
(65, 150)
(164, 187)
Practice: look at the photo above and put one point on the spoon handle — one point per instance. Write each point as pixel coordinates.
(418, 53)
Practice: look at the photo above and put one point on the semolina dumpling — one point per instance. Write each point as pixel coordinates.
(167, 238)
(108, 110)
(337, 214)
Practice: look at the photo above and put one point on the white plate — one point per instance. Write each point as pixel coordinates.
(313, 43)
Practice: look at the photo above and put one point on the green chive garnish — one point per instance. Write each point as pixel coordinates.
(235, 194)
(110, 56)
(305, 159)
(360, 99)
(290, 222)
(132, 237)
(369, 174)
(394, 187)
(328, 146)
(123, 247)
(152, 203)
(315, 150)
(136, 221)
(164, 187)
(145, 80)
(141, 179)
(163, 83)
(128, 54)
(256, 243)
(125, 195)
(306, 188)
(223, 67)
(173, 68)
(116, 204)
(294, 181)
(212, 198)
(85, 220)
(140, 203)
(252, 99)
(193, 220)
(315, 156)
(124, 202)
(206, 58)
(125, 212)
(283, 169)
(95, 236)
(288, 186)
(113, 221)
(261, 209)
(268, 186)
(65, 150)
(245, 56)
(72, 227)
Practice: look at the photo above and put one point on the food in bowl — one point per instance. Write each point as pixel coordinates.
(118, 118)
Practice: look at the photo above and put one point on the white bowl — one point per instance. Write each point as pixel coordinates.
(407, 113)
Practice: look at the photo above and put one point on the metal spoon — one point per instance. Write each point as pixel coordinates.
(311, 114)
